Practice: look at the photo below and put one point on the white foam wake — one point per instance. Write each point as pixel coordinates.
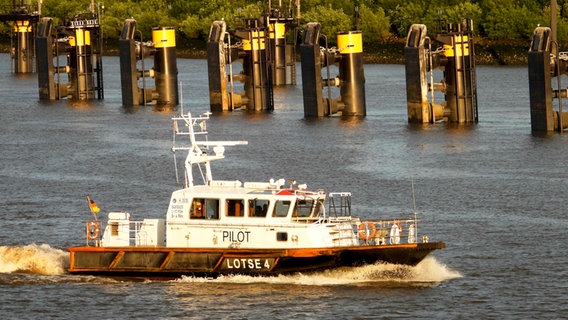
(428, 271)
(34, 259)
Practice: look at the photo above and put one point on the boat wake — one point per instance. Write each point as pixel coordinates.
(39, 259)
(428, 271)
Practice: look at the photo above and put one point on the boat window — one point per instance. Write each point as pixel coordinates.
(281, 236)
(281, 208)
(202, 208)
(319, 208)
(114, 229)
(196, 211)
(258, 208)
(303, 207)
(234, 207)
(212, 208)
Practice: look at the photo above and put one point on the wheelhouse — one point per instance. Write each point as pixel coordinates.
(197, 205)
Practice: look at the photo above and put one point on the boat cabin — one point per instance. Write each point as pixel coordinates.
(231, 214)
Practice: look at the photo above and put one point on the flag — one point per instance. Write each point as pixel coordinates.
(93, 206)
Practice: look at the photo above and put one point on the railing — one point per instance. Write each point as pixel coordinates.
(19, 9)
(388, 232)
(373, 233)
(132, 233)
(342, 233)
(343, 207)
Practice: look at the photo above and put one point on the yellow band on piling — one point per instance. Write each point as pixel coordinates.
(462, 47)
(257, 37)
(164, 37)
(82, 38)
(277, 30)
(350, 42)
(22, 26)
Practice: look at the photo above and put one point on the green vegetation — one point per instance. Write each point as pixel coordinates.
(382, 21)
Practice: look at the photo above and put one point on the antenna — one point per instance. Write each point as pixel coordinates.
(176, 130)
(414, 210)
(181, 96)
(413, 196)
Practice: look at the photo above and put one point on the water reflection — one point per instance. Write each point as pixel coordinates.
(453, 128)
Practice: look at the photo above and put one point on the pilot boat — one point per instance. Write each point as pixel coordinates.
(219, 227)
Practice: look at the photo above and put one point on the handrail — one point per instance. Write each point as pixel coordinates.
(344, 205)
(383, 232)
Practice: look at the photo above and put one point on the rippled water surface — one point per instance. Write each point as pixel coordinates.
(495, 193)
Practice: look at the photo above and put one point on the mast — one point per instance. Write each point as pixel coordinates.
(197, 150)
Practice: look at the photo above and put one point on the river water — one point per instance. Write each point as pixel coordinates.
(494, 192)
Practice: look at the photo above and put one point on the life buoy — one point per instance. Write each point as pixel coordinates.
(395, 232)
(93, 230)
(367, 230)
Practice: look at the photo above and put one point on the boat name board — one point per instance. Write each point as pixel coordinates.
(236, 236)
(247, 264)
